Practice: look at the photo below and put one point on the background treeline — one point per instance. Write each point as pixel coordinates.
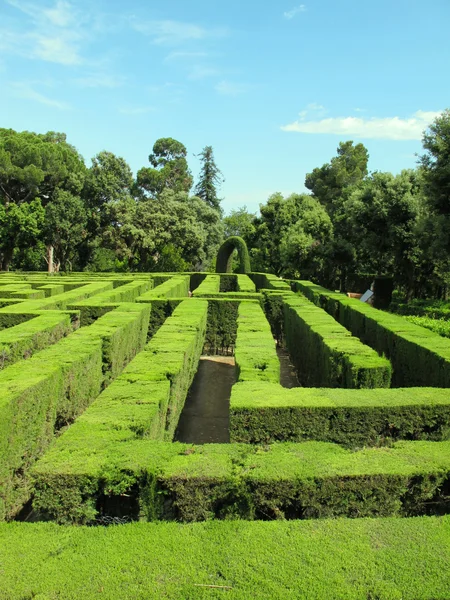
(355, 223)
(57, 213)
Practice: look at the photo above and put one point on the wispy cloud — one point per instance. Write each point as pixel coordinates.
(313, 107)
(137, 110)
(290, 14)
(52, 34)
(388, 128)
(99, 80)
(174, 33)
(26, 91)
(231, 88)
(197, 72)
(184, 56)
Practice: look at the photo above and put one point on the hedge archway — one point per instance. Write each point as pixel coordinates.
(225, 255)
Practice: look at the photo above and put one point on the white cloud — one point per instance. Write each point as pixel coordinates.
(197, 72)
(27, 92)
(290, 14)
(174, 56)
(388, 128)
(61, 49)
(97, 80)
(61, 15)
(230, 88)
(137, 110)
(54, 35)
(173, 33)
(315, 106)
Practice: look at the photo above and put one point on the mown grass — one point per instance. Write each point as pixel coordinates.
(382, 559)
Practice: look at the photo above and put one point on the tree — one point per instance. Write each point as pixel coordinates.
(172, 229)
(109, 181)
(33, 168)
(240, 223)
(290, 235)
(436, 163)
(65, 228)
(170, 169)
(383, 217)
(210, 178)
(345, 170)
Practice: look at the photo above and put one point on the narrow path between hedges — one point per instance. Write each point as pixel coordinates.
(288, 373)
(206, 415)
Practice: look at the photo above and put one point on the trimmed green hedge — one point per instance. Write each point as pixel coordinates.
(256, 355)
(245, 284)
(419, 357)
(58, 384)
(221, 326)
(351, 559)
(175, 287)
(30, 336)
(193, 483)
(60, 302)
(439, 326)
(224, 261)
(209, 286)
(145, 400)
(262, 413)
(325, 354)
(271, 282)
(93, 308)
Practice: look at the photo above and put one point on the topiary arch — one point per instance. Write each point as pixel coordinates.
(225, 255)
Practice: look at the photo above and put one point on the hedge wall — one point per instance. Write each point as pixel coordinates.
(256, 356)
(325, 354)
(224, 261)
(33, 335)
(419, 357)
(210, 285)
(262, 413)
(193, 483)
(57, 385)
(145, 401)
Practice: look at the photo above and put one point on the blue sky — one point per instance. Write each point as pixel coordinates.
(272, 86)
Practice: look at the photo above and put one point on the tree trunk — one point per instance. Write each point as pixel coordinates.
(7, 258)
(49, 258)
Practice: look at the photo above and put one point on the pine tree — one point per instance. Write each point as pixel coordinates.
(210, 179)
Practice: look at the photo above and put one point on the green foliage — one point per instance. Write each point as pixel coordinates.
(326, 354)
(262, 413)
(419, 357)
(221, 326)
(145, 401)
(210, 178)
(440, 326)
(240, 223)
(170, 169)
(225, 256)
(34, 170)
(290, 235)
(173, 230)
(57, 385)
(380, 559)
(256, 356)
(436, 162)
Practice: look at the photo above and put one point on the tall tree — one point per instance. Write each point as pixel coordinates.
(169, 169)
(33, 168)
(240, 223)
(211, 178)
(291, 235)
(345, 170)
(436, 163)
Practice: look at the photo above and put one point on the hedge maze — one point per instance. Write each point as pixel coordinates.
(95, 370)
